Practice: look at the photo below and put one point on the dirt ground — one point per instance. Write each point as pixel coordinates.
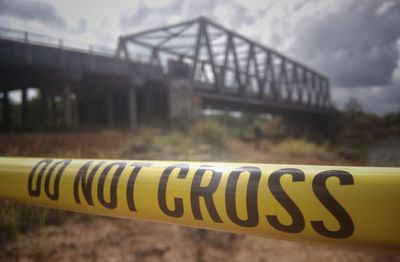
(105, 239)
(90, 238)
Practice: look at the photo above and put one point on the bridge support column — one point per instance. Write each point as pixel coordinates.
(24, 105)
(54, 111)
(110, 109)
(6, 110)
(148, 103)
(45, 107)
(82, 110)
(67, 109)
(132, 107)
(183, 104)
(76, 115)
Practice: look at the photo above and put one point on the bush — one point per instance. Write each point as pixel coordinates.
(8, 224)
(300, 147)
(209, 132)
(171, 139)
(141, 142)
(18, 218)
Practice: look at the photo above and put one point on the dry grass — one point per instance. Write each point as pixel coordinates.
(82, 238)
(77, 145)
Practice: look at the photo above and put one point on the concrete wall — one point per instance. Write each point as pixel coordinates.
(182, 102)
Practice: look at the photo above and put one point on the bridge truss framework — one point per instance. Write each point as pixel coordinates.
(220, 61)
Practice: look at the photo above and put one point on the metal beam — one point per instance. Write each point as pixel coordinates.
(211, 57)
(172, 35)
(294, 79)
(132, 36)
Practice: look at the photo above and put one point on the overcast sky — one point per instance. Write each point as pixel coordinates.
(356, 43)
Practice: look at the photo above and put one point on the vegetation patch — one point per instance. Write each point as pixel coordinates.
(301, 147)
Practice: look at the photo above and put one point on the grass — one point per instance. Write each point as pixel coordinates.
(207, 140)
(79, 144)
(18, 218)
(211, 133)
(301, 147)
(204, 140)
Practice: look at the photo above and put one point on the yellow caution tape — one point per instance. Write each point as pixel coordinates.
(346, 205)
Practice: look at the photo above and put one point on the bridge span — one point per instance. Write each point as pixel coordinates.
(168, 72)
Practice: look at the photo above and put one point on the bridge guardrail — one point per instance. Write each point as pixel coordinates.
(333, 204)
(36, 38)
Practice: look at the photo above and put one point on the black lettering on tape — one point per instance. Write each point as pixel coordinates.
(162, 189)
(112, 204)
(320, 190)
(42, 166)
(131, 183)
(251, 196)
(287, 203)
(85, 183)
(31, 190)
(206, 192)
(56, 193)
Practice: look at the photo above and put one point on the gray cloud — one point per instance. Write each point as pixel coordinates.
(80, 28)
(144, 15)
(242, 17)
(29, 10)
(380, 100)
(129, 21)
(197, 8)
(354, 46)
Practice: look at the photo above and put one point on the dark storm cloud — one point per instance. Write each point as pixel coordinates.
(32, 11)
(354, 46)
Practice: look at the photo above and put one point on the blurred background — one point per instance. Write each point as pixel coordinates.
(300, 82)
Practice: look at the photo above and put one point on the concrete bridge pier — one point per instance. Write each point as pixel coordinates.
(109, 105)
(50, 123)
(24, 108)
(83, 109)
(148, 103)
(6, 110)
(67, 107)
(183, 104)
(132, 107)
(44, 92)
(54, 111)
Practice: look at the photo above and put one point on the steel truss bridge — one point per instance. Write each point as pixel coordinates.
(221, 62)
(212, 66)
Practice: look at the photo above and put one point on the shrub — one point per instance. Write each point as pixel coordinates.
(172, 139)
(209, 132)
(300, 147)
(8, 224)
(18, 218)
